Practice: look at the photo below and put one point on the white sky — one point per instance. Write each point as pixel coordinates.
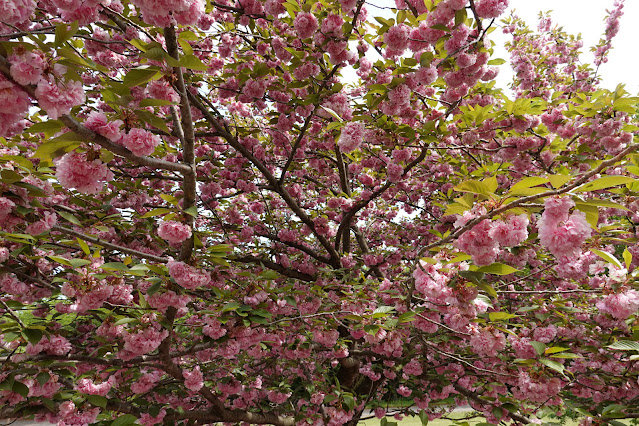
(586, 17)
(576, 16)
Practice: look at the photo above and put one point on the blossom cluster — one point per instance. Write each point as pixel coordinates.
(483, 241)
(560, 231)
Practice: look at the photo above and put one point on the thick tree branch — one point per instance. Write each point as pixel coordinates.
(291, 273)
(112, 246)
(188, 141)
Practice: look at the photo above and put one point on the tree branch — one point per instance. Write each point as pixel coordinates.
(291, 273)
(272, 180)
(112, 246)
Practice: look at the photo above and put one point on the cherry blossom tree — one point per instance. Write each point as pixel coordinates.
(204, 221)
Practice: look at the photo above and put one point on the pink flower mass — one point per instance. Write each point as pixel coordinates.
(351, 137)
(73, 170)
(174, 232)
(560, 233)
(188, 276)
(140, 141)
(57, 98)
(305, 25)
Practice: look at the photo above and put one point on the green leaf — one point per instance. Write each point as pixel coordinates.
(566, 355)
(407, 317)
(43, 377)
(382, 311)
(500, 316)
(540, 348)
(592, 214)
(528, 182)
(125, 321)
(159, 54)
(51, 126)
(603, 203)
(625, 345)
(605, 182)
(475, 277)
(138, 76)
(488, 289)
(553, 365)
(116, 266)
(152, 119)
(627, 258)
(64, 32)
(84, 246)
(188, 35)
(191, 211)
(475, 187)
(371, 329)
(192, 62)
(555, 349)
(59, 146)
(349, 401)
(497, 61)
(139, 44)
(9, 176)
(32, 335)
(455, 208)
(70, 218)
(607, 257)
(497, 269)
(125, 420)
(20, 388)
(78, 263)
(62, 260)
(154, 102)
(156, 212)
(423, 417)
(186, 47)
(154, 288)
(231, 306)
(333, 113)
(97, 400)
(558, 181)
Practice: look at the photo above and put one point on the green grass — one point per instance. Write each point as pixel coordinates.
(414, 420)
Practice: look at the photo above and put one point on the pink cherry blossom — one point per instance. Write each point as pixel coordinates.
(397, 38)
(43, 225)
(488, 342)
(13, 100)
(193, 380)
(351, 137)
(28, 67)
(6, 207)
(491, 8)
(73, 170)
(98, 122)
(332, 25)
(58, 98)
(188, 276)
(620, 305)
(89, 387)
(142, 342)
(174, 232)
(16, 12)
(305, 24)
(565, 238)
(140, 142)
